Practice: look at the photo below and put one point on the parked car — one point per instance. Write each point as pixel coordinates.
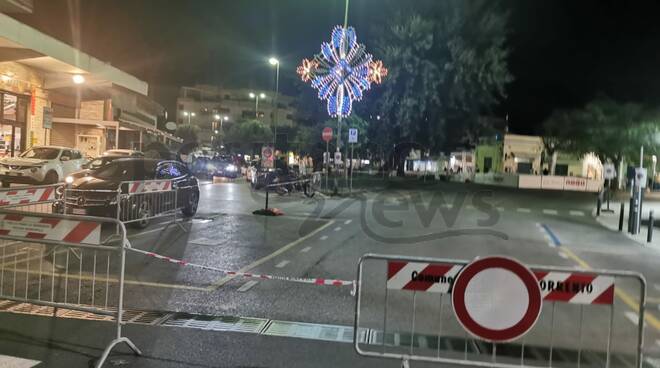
(99, 162)
(40, 165)
(96, 194)
(223, 167)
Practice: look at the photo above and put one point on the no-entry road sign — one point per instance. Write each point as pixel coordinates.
(496, 299)
(326, 134)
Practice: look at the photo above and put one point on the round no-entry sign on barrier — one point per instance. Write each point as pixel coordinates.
(496, 299)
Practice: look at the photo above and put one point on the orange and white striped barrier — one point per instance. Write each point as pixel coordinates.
(50, 228)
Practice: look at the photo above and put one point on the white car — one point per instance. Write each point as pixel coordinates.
(40, 165)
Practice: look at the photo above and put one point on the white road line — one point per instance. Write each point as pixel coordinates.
(305, 250)
(576, 213)
(501, 209)
(282, 264)
(549, 212)
(338, 228)
(347, 222)
(524, 210)
(247, 286)
(563, 255)
(7, 361)
(469, 207)
(324, 237)
(632, 316)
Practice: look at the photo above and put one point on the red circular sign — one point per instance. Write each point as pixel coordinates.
(496, 299)
(327, 134)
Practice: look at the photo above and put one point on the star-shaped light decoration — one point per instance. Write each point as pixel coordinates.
(342, 71)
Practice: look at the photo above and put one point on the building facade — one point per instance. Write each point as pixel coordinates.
(214, 109)
(52, 93)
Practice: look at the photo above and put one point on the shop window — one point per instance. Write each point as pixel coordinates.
(9, 107)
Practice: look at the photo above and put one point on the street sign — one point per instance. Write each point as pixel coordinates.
(496, 299)
(609, 172)
(337, 157)
(352, 135)
(421, 277)
(267, 157)
(327, 134)
(640, 176)
(47, 118)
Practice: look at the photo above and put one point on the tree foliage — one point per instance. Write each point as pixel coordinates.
(248, 135)
(446, 67)
(611, 130)
(190, 135)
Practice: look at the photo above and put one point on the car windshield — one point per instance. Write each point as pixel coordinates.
(43, 153)
(126, 170)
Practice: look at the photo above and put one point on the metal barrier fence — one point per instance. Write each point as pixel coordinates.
(404, 311)
(37, 199)
(133, 202)
(68, 262)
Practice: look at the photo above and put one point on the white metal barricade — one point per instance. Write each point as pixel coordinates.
(38, 199)
(67, 262)
(133, 202)
(404, 311)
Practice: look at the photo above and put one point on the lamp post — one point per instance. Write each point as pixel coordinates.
(276, 63)
(220, 119)
(256, 102)
(189, 115)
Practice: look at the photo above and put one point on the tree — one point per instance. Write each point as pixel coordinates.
(446, 67)
(612, 130)
(190, 135)
(248, 135)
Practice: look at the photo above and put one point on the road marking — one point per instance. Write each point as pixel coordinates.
(276, 253)
(324, 237)
(554, 240)
(501, 209)
(282, 264)
(549, 212)
(347, 222)
(576, 213)
(305, 250)
(247, 286)
(625, 297)
(8, 361)
(469, 207)
(656, 286)
(563, 255)
(632, 317)
(657, 342)
(524, 210)
(338, 228)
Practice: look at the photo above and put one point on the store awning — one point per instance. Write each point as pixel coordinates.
(59, 61)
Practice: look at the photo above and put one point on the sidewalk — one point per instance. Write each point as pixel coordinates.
(610, 220)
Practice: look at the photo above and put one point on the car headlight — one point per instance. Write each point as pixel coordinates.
(68, 179)
(35, 169)
(231, 168)
(210, 167)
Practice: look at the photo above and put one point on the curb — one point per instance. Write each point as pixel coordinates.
(615, 229)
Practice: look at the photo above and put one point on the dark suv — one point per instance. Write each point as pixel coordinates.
(96, 194)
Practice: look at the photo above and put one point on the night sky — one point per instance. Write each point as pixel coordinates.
(564, 53)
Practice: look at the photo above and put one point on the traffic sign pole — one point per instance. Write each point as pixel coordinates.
(351, 187)
(327, 165)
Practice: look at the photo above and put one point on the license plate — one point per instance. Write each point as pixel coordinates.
(79, 211)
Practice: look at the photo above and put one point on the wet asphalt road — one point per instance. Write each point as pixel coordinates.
(325, 237)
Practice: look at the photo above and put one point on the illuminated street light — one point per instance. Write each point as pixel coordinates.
(189, 115)
(273, 61)
(216, 116)
(256, 102)
(78, 79)
(276, 63)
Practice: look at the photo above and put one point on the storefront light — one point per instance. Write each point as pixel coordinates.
(78, 79)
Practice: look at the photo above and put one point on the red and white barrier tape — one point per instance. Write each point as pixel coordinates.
(313, 281)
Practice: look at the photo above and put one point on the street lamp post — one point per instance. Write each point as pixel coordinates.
(256, 102)
(220, 119)
(276, 63)
(188, 114)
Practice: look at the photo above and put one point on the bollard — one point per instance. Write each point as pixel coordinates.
(598, 205)
(266, 208)
(621, 216)
(630, 215)
(649, 233)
